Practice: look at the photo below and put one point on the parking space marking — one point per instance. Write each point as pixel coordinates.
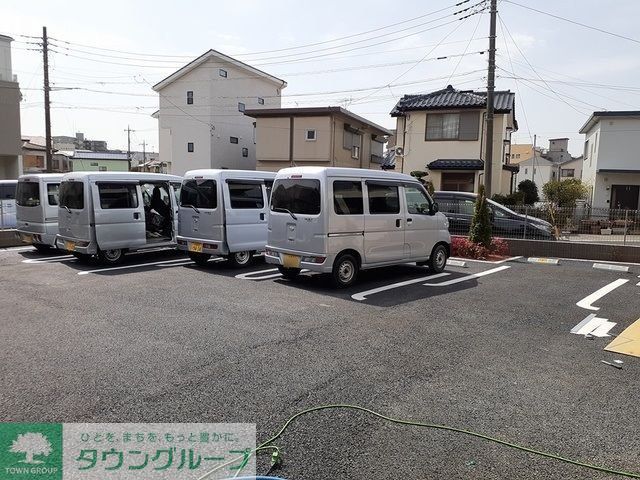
(16, 249)
(593, 326)
(598, 294)
(467, 277)
(109, 269)
(363, 295)
(251, 275)
(497, 262)
(61, 258)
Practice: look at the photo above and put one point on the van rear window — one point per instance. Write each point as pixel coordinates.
(199, 193)
(28, 194)
(246, 195)
(296, 196)
(71, 195)
(52, 193)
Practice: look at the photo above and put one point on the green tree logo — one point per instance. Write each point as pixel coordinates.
(31, 443)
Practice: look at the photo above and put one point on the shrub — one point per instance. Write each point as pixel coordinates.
(516, 198)
(463, 247)
(529, 191)
(480, 231)
(565, 193)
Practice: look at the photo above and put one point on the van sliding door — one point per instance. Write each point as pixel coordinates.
(385, 223)
(119, 215)
(245, 214)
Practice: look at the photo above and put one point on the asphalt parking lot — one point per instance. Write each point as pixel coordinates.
(485, 348)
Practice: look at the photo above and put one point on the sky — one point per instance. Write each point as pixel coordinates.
(106, 56)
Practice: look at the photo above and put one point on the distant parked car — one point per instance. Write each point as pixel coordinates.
(458, 208)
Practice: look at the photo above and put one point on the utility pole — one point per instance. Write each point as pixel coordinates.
(47, 110)
(144, 155)
(535, 160)
(128, 130)
(491, 79)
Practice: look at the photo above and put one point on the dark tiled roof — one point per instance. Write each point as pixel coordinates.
(452, 98)
(456, 164)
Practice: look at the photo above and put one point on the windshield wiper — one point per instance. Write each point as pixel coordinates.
(197, 211)
(281, 209)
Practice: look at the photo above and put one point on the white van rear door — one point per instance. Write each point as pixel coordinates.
(246, 212)
(384, 223)
(421, 230)
(119, 215)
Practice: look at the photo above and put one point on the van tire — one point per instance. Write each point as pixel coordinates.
(42, 248)
(438, 259)
(200, 259)
(240, 259)
(111, 257)
(345, 270)
(82, 257)
(289, 273)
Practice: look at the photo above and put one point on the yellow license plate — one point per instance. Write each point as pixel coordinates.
(195, 247)
(71, 246)
(290, 261)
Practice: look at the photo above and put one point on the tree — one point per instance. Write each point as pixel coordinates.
(420, 174)
(564, 193)
(480, 231)
(530, 191)
(31, 444)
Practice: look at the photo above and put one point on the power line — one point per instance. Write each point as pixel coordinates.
(466, 48)
(575, 22)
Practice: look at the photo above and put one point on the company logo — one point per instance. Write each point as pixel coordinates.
(30, 451)
(31, 444)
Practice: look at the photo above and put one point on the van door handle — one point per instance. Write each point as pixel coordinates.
(409, 220)
(398, 222)
(262, 216)
(136, 215)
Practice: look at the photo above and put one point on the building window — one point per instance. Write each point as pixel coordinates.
(260, 101)
(245, 152)
(94, 164)
(233, 139)
(241, 107)
(222, 72)
(452, 126)
(517, 155)
(526, 171)
(377, 150)
(351, 141)
(190, 147)
(458, 181)
(567, 172)
(190, 97)
(310, 136)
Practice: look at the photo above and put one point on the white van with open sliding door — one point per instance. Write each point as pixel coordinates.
(343, 220)
(224, 213)
(37, 209)
(108, 214)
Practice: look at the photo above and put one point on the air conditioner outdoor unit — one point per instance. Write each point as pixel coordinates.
(399, 151)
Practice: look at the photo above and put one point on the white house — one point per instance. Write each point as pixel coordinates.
(539, 170)
(445, 132)
(201, 120)
(611, 163)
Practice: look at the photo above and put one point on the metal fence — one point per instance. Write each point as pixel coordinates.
(580, 224)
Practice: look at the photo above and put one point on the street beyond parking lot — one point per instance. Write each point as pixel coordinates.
(486, 348)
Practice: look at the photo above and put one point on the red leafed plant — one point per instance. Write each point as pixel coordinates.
(463, 247)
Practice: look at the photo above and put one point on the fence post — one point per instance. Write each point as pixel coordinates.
(626, 222)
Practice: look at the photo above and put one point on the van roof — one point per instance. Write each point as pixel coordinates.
(120, 176)
(346, 172)
(41, 176)
(224, 174)
(454, 193)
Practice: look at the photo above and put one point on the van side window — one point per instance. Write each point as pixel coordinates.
(199, 193)
(383, 199)
(417, 201)
(52, 193)
(347, 198)
(118, 195)
(72, 195)
(245, 195)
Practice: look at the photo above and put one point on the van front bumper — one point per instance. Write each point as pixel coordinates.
(201, 245)
(76, 245)
(307, 260)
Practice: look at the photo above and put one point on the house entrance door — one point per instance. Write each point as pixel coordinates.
(625, 197)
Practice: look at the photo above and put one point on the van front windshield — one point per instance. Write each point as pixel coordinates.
(28, 194)
(294, 195)
(71, 195)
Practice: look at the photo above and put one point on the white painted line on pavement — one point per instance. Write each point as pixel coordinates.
(589, 299)
(62, 258)
(594, 326)
(497, 262)
(467, 277)
(610, 267)
(456, 263)
(363, 295)
(251, 275)
(164, 265)
(87, 272)
(16, 249)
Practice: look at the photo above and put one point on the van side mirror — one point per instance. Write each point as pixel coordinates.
(434, 208)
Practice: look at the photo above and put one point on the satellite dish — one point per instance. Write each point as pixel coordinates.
(399, 151)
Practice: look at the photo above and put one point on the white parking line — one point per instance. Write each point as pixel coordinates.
(497, 262)
(61, 258)
(589, 299)
(363, 295)
(16, 249)
(109, 269)
(251, 275)
(467, 277)
(594, 326)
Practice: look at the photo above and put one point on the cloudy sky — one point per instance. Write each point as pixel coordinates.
(106, 55)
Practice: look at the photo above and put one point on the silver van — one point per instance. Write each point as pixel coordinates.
(110, 213)
(224, 212)
(8, 203)
(343, 220)
(37, 209)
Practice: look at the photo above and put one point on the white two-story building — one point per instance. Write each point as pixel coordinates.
(201, 119)
(611, 159)
(444, 132)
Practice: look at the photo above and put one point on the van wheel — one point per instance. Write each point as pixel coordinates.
(111, 257)
(82, 257)
(438, 259)
(200, 259)
(241, 259)
(41, 248)
(345, 270)
(289, 273)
